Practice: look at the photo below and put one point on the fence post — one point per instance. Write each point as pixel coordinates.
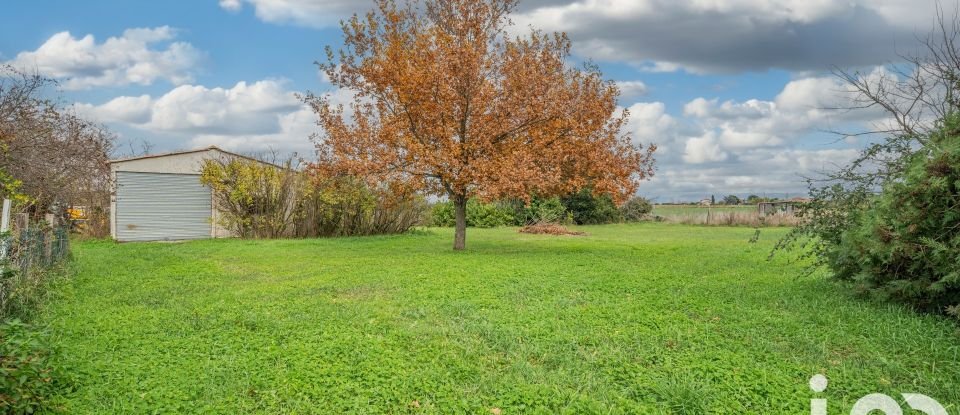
(4, 228)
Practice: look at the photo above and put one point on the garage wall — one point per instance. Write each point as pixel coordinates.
(189, 162)
(161, 206)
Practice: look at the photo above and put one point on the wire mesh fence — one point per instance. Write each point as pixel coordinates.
(28, 257)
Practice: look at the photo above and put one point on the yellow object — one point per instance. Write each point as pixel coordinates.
(77, 212)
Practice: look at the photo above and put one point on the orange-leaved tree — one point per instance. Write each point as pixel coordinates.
(446, 101)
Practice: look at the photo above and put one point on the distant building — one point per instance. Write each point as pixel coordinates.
(706, 202)
(781, 207)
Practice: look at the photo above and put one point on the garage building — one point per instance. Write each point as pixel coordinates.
(160, 198)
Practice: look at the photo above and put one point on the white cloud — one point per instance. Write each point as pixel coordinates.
(771, 171)
(734, 35)
(132, 58)
(803, 106)
(751, 146)
(259, 116)
(800, 160)
(649, 122)
(246, 116)
(326, 13)
(293, 135)
(195, 108)
(817, 98)
(242, 109)
(733, 138)
(309, 13)
(750, 109)
(703, 149)
(631, 89)
(810, 93)
(126, 109)
(699, 36)
(231, 5)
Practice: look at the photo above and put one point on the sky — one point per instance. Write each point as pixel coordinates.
(737, 94)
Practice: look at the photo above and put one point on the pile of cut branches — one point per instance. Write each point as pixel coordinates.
(549, 228)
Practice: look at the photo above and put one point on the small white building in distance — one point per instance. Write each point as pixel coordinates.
(159, 197)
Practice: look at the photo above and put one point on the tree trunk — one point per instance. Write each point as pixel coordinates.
(460, 235)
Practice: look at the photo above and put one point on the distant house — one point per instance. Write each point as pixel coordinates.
(781, 207)
(705, 202)
(159, 197)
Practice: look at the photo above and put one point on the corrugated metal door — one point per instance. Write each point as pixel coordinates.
(160, 206)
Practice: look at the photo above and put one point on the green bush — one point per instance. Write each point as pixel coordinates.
(544, 210)
(479, 214)
(906, 243)
(442, 214)
(29, 377)
(487, 215)
(255, 200)
(636, 209)
(587, 209)
(518, 213)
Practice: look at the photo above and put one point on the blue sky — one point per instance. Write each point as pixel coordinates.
(732, 91)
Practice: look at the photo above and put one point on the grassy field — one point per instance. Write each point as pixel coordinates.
(692, 210)
(647, 318)
(720, 215)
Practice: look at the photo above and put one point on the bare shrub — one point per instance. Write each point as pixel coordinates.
(50, 158)
(262, 200)
(254, 199)
(345, 206)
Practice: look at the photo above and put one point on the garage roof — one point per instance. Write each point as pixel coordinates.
(176, 153)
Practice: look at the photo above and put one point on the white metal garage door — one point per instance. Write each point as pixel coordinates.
(160, 206)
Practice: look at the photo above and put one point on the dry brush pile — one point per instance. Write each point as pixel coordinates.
(548, 228)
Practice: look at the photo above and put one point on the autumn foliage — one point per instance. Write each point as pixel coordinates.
(446, 102)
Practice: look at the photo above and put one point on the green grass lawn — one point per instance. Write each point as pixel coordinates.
(648, 318)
